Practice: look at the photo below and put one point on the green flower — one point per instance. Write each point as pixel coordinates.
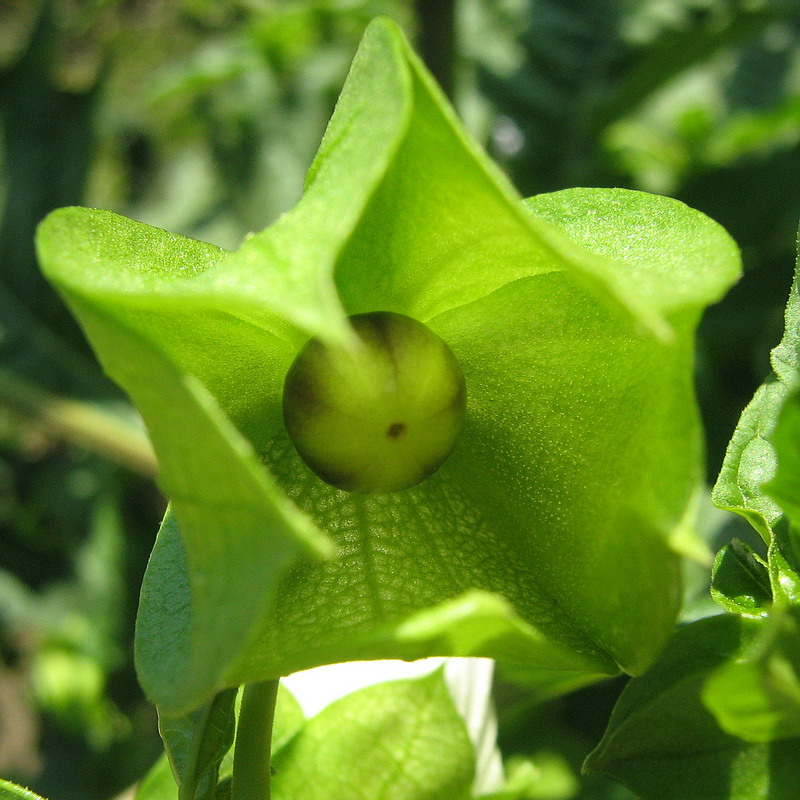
(547, 538)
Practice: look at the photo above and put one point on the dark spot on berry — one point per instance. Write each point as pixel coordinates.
(395, 430)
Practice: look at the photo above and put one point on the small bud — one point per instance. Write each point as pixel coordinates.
(382, 418)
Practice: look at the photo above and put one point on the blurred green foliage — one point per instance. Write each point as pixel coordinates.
(201, 116)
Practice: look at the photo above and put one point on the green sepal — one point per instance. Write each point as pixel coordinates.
(234, 519)
(573, 317)
(473, 624)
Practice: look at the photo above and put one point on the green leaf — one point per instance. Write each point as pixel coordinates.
(197, 743)
(663, 743)
(546, 776)
(199, 746)
(424, 752)
(289, 719)
(740, 581)
(548, 538)
(10, 791)
(750, 460)
(784, 564)
(540, 685)
(757, 696)
(784, 488)
(158, 783)
(677, 49)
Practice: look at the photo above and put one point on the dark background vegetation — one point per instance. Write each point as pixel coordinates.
(201, 116)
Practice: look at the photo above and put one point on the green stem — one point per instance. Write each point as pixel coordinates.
(80, 423)
(251, 757)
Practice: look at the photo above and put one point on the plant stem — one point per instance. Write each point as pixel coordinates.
(251, 757)
(80, 423)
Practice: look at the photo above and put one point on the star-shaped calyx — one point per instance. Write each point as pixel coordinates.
(544, 530)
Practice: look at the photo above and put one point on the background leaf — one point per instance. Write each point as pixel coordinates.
(197, 743)
(206, 776)
(662, 741)
(740, 581)
(785, 486)
(545, 778)
(158, 783)
(424, 750)
(757, 695)
(750, 461)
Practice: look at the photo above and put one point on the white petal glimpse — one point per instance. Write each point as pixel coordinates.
(470, 683)
(468, 679)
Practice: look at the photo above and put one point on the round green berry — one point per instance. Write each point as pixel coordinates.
(382, 417)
